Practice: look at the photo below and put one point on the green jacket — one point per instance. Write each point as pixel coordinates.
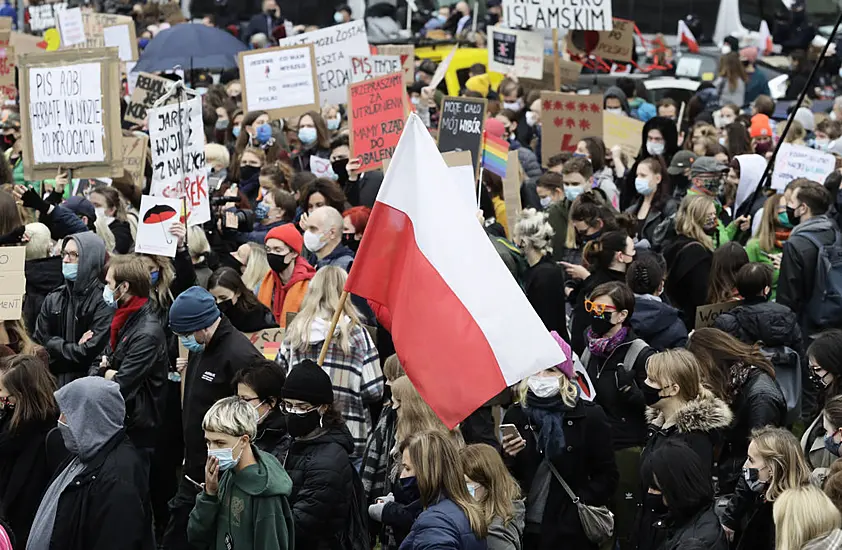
(756, 254)
(557, 215)
(250, 510)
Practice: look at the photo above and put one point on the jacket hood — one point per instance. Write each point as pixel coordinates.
(267, 478)
(767, 322)
(43, 275)
(616, 92)
(751, 170)
(653, 316)
(706, 413)
(830, 541)
(511, 532)
(303, 271)
(91, 259)
(667, 128)
(337, 434)
(94, 410)
(813, 225)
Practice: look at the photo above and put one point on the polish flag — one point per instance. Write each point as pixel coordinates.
(685, 36)
(461, 325)
(764, 43)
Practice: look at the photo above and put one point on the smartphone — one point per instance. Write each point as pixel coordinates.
(507, 430)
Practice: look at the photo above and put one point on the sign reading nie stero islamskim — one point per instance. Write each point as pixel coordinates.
(578, 15)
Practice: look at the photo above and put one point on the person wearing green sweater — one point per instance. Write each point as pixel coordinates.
(767, 247)
(244, 502)
(706, 177)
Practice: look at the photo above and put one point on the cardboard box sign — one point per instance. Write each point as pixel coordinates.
(566, 119)
(12, 281)
(267, 341)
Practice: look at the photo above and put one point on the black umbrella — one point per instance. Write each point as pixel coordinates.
(159, 214)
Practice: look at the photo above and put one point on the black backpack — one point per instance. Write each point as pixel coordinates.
(787, 365)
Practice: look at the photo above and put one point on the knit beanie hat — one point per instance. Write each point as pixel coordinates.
(288, 234)
(194, 309)
(307, 381)
(760, 126)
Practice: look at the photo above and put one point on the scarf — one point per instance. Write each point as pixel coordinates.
(738, 373)
(42, 525)
(122, 315)
(547, 414)
(604, 346)
(781, 236)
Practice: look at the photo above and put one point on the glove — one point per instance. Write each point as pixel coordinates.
(54, 198)
(375, 511)
(13, 237)
(32, 200)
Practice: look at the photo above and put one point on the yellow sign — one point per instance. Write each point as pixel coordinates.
(623, 131)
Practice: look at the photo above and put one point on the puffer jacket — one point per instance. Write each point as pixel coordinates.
(688, 266)
(704, 528)
(758, 320)
(443, 526)
(42, 277)
(658, 323)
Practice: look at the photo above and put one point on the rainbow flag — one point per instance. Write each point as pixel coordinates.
(495, 154)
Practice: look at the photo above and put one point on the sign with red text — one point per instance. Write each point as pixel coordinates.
(567, 118)
(377, 113)
(407, 54)
(518, 52)
(366, 67)
(178, 156)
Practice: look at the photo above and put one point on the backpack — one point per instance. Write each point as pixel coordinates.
(637, 345)
(787, 365)
(825, 306)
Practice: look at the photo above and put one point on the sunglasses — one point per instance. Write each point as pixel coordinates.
(597, 308)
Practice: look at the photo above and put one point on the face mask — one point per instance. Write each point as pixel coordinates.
(334, 123)
(821, 144)
(263, 134)
(573, 191)
(313, 242)
(299, 425)
(600, 325)
(307, 135)
(235, 131)
(654, 149)
(531, 118)
(108, 297)
(752, 477)
(340, 168)
(190, 343)
(790, 215)
(441, 18)
(222, 124)
(584, 238)
(783, 219)
(831, 445)
(642, 186)
(153, 277)
(69, 271)
(615, 111)
(350, 240)
(762, 147)
(546, 202)
(471, 490)
(101, 215)
(726, 49)
(722, 141)
(277, 262)
(543, 386)
(651, 395)
(415, 100)
(8, 141)
(248, 172)
(225, 306)
(225, 457)
(338, 17)
(70, 442)
(261, 211)
(512, 106)
(709, 227)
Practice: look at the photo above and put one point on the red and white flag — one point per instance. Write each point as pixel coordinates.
(764, 42)
(686, 37)
(461, 325)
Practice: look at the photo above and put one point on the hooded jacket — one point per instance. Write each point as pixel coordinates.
(617, 93)
(286, 298)
(629, 194)
(341, 256)
(751, 172)
(250, 509)
(507, 536)
(658, 323)
(757, 320)
(688, 266)
(42, 277)
(74, 308)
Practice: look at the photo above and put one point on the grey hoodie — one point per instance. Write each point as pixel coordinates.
(614, 91)
(91, 260)
(507, 536)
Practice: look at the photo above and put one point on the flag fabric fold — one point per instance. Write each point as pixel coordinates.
(461, 325)
(686, 37)
(495, 154)
(764, 42)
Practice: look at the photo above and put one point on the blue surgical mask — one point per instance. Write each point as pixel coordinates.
(108, 297)
(225, 457)
(70, 271)
(263, 134)
(307, 135)
(261, 211)
(235, 131)
(142, 43)
(338, 17)
(573, 191)
(190, 343)
(831, 445)
(472, 490)
(153, 277)
(546, 202)
(642, 186)
(333, 123)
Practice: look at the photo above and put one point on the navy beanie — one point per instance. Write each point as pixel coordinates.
(194, 309)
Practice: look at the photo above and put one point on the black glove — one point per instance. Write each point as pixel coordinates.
(54, 198)
(12, 237)
(32, 200)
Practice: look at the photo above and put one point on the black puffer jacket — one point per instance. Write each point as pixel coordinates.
(688, 267)
(42, 277)
(249, 320)
(704, 528)
(760, 321)
(272, 435)
(322, 488)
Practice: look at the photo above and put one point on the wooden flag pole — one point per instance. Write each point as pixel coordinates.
(336, 314)
(556, 63)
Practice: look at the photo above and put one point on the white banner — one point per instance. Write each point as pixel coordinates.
(518, 51)
(366, 67)
(591, 15)
(797, 161)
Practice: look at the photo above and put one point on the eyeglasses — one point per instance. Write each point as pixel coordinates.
(299, 410)
(250, 399)
(597, 308)
(69, 254)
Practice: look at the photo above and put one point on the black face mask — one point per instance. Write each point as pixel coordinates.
(655, 503)
(349, 240)
(248, 172)
(225, 306)
(790, 214)
(340, 168)
(600, 326)
(277, 262)
(492, 19)
(650, 395)
(583, 238)
(299, 425)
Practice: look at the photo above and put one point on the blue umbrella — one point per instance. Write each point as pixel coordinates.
(191, 45)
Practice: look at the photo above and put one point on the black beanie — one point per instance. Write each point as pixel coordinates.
(307, 381)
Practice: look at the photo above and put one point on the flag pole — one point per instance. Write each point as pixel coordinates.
(336, 314)
(556, 63)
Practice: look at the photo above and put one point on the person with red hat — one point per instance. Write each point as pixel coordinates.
(761, 134)
(289, 275)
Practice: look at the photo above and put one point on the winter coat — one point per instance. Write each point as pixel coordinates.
(604, 181)
(322, 487)
(544, 287)
(272, 435)
(658, 323)
(728, 94)
(798, 268)
(757, 85)
(301, 161)
(757, 320)
(529, 162)
(704, 528)
(557, 214)
(399, 516)
(261, 23)
(363, 191)
(581, 319)
(507, 536)
(258, 235)
(443, 526)
(812, 444)
(341, 256)
(654, 218)
(688, 267)
(587, 465)
(42, 277)
(628, 193)
(749, 515)
(250, 320)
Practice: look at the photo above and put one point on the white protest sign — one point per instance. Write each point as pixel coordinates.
(366, 67)
(334, 47)
(797, 161)
(123, 38)
(71, 27)
(579, 15)
(65, 109)
(280, 81)
(321, 167)
(12, 281)
(43, 16)
(178, 156)
(157, 214)
(441, 70)
(518, 51)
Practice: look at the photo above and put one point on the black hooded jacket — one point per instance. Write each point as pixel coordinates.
(758, 320)
(628, 193)
(42, 277)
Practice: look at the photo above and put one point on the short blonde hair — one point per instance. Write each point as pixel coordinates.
(676, 366)
(802, 514)
(216, 153)
(197, 242)
(231, 416)
(40, 241)
(534, 229)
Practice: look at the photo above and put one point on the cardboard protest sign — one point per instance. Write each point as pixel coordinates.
(267, 341)
(461, 123)
(441, 70)
(23, 43)
(157, 214)
(706, 315)
(320, 167)
(407, 54)
(8, 90)
(558, 14)
(177, 139)
(12, 281)
(521, 52)
(567, 118)
(616, 44)
(511, 191)
(366, 67)
(334, 47)
(44, 16)
(71, 27)
(148, 89)
(798, 161)
(122, 37)
(280, 81)
(95, 24)
(377, 110)
(134, 157)
(570, 71)
(624, 131)
(69, 116)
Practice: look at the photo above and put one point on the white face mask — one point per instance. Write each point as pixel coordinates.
(822, 143)
(512, 106)
(313, 241)
(531, 118)
(726, 49)
(615, 111)
(101, 215)
(543, 386)
(654, 148)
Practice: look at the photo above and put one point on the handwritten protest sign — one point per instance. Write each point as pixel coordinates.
(797, 161)
(71, 27)
(123, 38)
(94, 28)
(68, 118)
(366, 67)
(157, 214)
(44, 16)
(178, 156)
(12, 281)
(521, 52)
(377, 113)
(460, 127)
(148, 89)
(134, 157)
(623, 131)
(567, 118)
(267, 341)
(280, 81)
(407, 54)
(706, 315)
(8, 90)
(594, 15)
(616, 44)
(334, 47)
(320, 167)
(570, 71)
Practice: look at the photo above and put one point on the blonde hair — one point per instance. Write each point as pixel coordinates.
(568, 390)
(392, 368)
(796, 132)
(197, 242)
(320, 302)
(257, 266)
(216, 153)
(231, 416)
(781, 452)
(26, 345)
(677, 366)
(768, 223)
(802, 514)
(534, 230)
(690, 219)
(483, 464)
(40, 241)
(414, 414)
